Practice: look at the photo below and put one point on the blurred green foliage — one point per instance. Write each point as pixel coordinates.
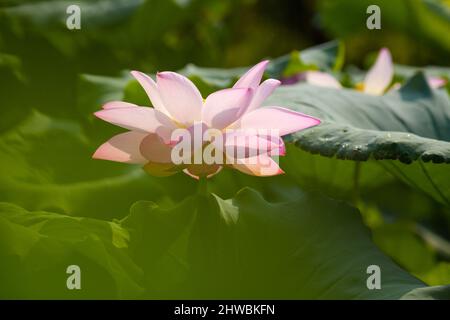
(414, 30)
(61, 206)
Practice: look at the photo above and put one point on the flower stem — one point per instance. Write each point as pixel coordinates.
(356, 178)
(202, 186)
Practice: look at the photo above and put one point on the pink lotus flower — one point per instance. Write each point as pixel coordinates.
(250, 132)
(376, 81)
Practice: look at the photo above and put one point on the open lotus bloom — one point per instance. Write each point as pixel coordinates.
(184, 132)
(376, 82)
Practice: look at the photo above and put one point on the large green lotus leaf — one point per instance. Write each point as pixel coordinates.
(36, 248)
(406, 131)
(46, 164)
(248, 247)
(434, 179)
(429, 293)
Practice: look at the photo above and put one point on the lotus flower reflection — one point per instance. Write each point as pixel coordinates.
(175, 135)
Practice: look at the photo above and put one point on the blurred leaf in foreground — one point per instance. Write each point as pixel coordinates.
(37, 247)
(246, 247)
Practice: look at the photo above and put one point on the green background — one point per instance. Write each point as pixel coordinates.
(370, 186)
